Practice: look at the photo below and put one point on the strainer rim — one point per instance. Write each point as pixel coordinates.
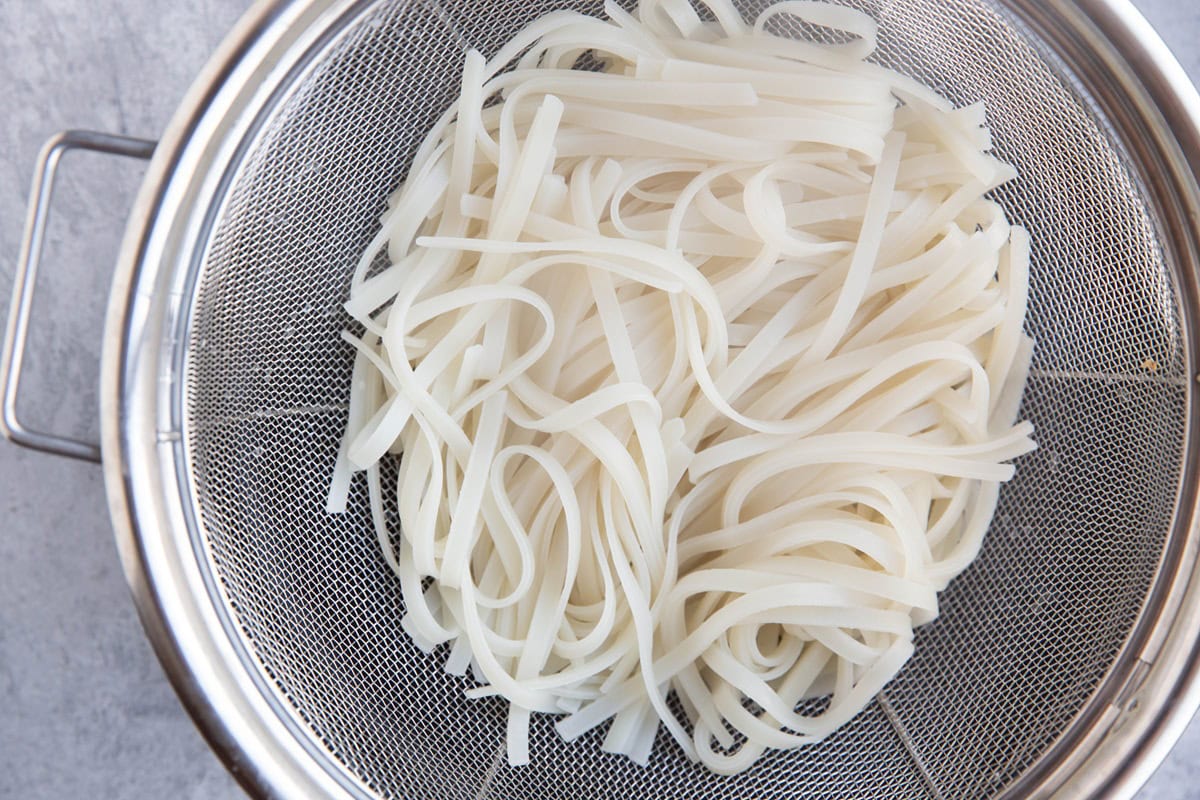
(242, 717)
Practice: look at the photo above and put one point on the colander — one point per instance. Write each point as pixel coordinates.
(1065, 660)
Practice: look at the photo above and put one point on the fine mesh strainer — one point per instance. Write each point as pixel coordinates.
(1064, 662)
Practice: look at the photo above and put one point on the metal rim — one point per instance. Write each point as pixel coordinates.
(241, 718)
(1128, 727)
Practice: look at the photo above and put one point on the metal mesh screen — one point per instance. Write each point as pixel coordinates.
(1025, 635)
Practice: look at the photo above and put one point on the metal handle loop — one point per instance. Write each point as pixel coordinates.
(25, 279)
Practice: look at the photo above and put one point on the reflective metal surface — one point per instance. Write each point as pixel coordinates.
(1064, 661)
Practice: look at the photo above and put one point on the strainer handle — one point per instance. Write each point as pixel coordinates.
(26, 277)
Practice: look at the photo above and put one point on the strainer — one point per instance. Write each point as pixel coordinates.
(1065, 660)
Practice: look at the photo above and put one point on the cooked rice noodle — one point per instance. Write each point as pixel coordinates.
(704, 366)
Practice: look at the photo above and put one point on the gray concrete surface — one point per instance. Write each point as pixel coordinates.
(84, 708)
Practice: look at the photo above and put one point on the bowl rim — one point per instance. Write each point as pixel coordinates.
(1110, 749)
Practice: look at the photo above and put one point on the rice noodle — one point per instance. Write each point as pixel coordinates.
(704, 368)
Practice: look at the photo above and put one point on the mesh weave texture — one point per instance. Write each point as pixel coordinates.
(1025, 635)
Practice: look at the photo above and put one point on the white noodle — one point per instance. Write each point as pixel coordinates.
(704, 367)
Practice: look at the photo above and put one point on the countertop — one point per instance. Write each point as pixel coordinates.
(85, 710)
